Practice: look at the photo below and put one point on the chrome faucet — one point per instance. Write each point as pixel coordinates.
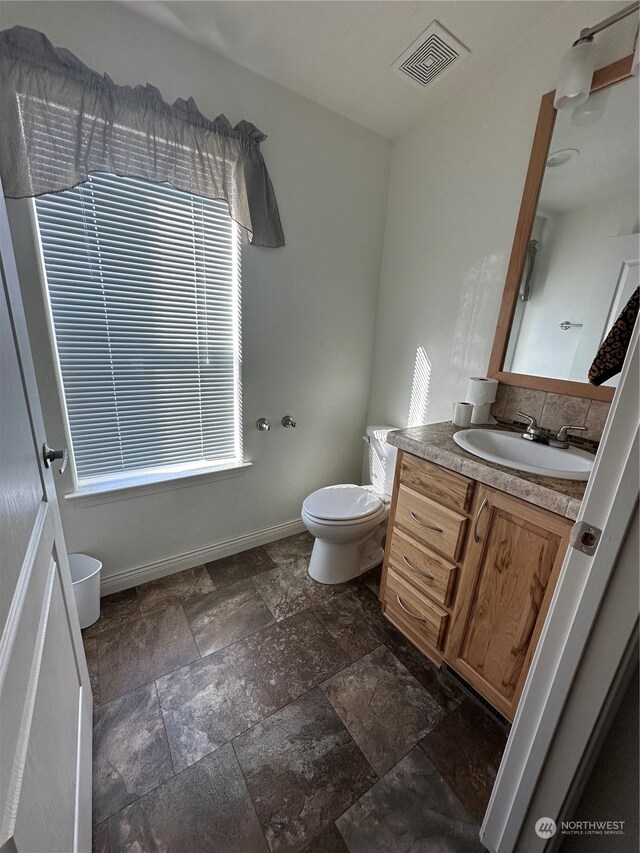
(534, 432)
(561, 439)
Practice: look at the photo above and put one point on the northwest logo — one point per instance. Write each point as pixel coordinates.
(545, 827)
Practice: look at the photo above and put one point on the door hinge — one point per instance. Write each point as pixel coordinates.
(585, 537)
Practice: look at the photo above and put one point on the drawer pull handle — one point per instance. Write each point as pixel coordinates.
(483, 505)
(416, 569)
(424, 523)
(413, 615)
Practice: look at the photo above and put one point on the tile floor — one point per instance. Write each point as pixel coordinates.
(240, 707)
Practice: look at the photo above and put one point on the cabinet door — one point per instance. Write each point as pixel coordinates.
(513, 557)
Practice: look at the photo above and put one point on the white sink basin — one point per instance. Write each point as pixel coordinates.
(512, 451)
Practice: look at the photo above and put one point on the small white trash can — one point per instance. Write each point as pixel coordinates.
(85, 578)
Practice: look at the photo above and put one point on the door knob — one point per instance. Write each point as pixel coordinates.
(49, 455)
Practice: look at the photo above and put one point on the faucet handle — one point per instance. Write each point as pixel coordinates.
(562, 432)
(533, 423)
(533, 432)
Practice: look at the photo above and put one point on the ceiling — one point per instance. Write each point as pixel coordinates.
(339, 53)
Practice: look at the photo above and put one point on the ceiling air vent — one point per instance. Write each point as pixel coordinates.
(432, 55)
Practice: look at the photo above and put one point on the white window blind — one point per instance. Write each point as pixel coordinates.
(144, 284)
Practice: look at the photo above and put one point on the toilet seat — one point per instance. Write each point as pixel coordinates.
(345, 504)
(351, 523)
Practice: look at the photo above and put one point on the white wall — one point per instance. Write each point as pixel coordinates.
(611, 792)
(570, 284)
(308, 308)
(456, 184)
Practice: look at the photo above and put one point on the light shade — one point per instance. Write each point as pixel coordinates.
(576, 74)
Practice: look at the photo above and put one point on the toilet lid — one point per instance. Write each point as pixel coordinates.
(340, 503)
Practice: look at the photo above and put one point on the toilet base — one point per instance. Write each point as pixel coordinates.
(337, 563)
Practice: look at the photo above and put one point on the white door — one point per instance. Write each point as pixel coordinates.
(45, 697)
(577, 613)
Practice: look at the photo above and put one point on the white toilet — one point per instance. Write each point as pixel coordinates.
(348, 521)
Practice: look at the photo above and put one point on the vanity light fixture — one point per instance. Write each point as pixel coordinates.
(579, 62)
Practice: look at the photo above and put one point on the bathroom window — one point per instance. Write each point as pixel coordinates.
(144, 288)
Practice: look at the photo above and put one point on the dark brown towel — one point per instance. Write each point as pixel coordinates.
(610, 357)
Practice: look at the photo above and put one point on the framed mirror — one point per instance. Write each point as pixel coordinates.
(575, 259)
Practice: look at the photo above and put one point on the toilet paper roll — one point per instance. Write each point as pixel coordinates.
(482, 390)
(462, 413)
(481, 414)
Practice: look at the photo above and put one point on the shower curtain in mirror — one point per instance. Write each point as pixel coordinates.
(61, 121)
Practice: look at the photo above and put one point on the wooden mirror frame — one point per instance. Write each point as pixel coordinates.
(607, 76)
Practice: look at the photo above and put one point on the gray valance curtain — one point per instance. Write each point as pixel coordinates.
(61, 121)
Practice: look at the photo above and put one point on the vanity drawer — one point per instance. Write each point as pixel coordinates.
(435, 525)
(437, 483)
(425, 569)
(409, 606)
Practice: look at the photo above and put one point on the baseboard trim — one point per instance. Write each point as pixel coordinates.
(127, 578)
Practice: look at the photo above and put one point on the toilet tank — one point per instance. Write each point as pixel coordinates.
(382, 459)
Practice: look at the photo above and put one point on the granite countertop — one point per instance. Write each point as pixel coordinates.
(435, 443)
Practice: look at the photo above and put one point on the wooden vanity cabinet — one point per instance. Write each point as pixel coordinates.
(428, 527)
(511, 566)
(468, 575)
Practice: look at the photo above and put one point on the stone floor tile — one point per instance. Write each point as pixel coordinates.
(239, 567)
(345, 619)
(288, 589)
(220, 618)
(371, 580)
(435, 681)
(130, 751)
(100, 838)
(172, 589)
(382, 705)
(250, 770)
(285, 550)
(302, 769)
(204, 809)
(295, 655)
(116, 609)
(329, 841)
(210, 701)
(466, 747)
(410, 809)
(143, 650)
(91, 654)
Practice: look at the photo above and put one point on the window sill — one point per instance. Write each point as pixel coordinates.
(152, 483)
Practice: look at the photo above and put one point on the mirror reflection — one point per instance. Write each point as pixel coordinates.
(582, 261)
